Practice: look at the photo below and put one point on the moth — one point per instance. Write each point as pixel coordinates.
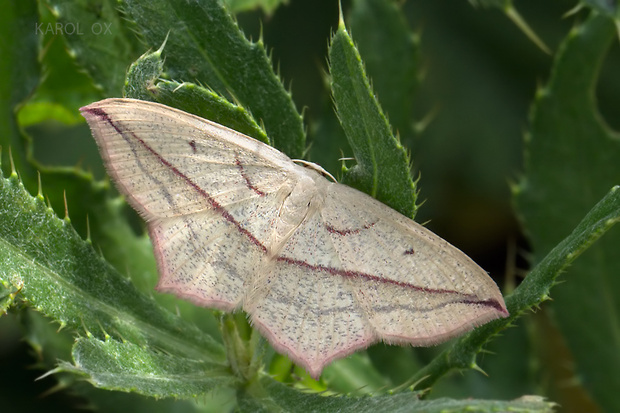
(322, 269)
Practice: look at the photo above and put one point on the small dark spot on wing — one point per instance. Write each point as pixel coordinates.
(344, 232)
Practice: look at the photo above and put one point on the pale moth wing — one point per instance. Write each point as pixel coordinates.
(322, 269)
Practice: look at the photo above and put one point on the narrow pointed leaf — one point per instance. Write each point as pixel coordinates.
(144, 82)
(113, 365)
(382, 169)
(390, 52)
(228, 63)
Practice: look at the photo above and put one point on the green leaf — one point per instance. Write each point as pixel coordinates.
(64, 186)
(98, 38)
(572, 159)
(94, 203)
(96, 211)
(49, 344)
(394, 362)
(390, 53)
(530, 293)
(127, 367)
(268, 6)
(61, 275)
(65, 84)
(143, 82)
(510, 364)
(110, 401)
(354, 374)
(273, 396)
(37, 112)
(143, 74)
(206, 104)
(382, 169)
(609, 8)
(205, 46)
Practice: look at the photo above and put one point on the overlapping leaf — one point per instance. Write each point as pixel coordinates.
(206, 47)
(63, 277)
(531, 292)
(382, 168)
(572, 159)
